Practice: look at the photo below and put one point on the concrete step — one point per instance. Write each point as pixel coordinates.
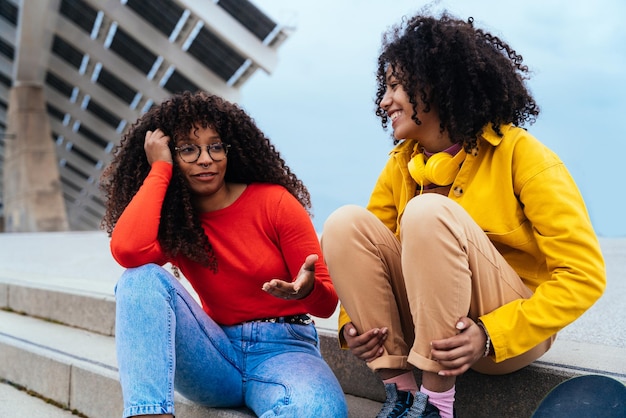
(57, 326)
(76, 369)
(69, 358)
(17, 403)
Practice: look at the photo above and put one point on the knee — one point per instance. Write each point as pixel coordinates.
(340, 229)
(425, 205)
(426, 209)
(342, 217)
(342, 221)
(141, 280)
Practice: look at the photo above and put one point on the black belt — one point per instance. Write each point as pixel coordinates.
(302, 319)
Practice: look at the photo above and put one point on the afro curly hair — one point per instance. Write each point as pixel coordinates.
(469, 76)
(251, 158)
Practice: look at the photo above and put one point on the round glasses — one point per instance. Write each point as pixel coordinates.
(190, 153)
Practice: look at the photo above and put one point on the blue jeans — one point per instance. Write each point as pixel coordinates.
(165, 341)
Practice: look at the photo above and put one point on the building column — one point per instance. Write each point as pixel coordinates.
(33, 198)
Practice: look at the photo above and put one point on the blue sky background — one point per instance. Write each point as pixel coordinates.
(317, 106)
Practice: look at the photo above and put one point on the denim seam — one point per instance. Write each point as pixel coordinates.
(167, 408)
(208, 335)
(287, 389)
(171, 367)
(293, 332)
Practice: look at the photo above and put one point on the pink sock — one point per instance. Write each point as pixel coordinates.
(444, 401)
(404, 381)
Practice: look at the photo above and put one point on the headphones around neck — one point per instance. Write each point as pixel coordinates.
(440, 169)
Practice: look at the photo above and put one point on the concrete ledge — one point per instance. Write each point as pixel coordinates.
(36, 369)
(16, 403)
(4, 295)
(75, 365)
(90, 384)
(88, 392)
(80, 384)
(77, 369)
(86, 311)
(95, 391)
(513, 395)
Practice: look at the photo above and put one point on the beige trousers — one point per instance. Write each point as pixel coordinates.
(443, 268)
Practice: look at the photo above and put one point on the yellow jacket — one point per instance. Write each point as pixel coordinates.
(525, 200)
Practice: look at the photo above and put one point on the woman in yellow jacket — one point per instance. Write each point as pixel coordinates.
(476, 247)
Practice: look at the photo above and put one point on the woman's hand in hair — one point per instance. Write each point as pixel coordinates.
(300, 288)
(156, 147)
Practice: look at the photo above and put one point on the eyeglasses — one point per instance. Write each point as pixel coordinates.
(190, 153)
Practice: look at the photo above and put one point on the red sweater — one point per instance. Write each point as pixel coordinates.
(264, 234)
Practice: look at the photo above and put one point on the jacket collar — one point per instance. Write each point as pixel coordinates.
(488, 135)
(491, 136)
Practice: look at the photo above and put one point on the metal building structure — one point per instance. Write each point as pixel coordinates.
(102, 63)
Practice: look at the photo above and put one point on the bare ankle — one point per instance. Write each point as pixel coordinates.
(434, 382)
(385, 374)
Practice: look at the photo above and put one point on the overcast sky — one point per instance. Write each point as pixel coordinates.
(317, 106)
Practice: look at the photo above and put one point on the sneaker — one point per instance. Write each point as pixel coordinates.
(397, 402)
(421, 408)
(401, 404)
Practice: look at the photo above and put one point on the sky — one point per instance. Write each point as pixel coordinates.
(317, 106)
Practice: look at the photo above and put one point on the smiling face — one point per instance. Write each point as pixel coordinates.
(400, 111)
(205, 176)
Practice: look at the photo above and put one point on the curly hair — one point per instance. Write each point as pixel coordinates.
(251, 158)
(469, 76)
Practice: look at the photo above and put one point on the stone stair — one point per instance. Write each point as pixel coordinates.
(57, 338)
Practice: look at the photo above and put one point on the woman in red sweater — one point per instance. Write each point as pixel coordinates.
(196, 184)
